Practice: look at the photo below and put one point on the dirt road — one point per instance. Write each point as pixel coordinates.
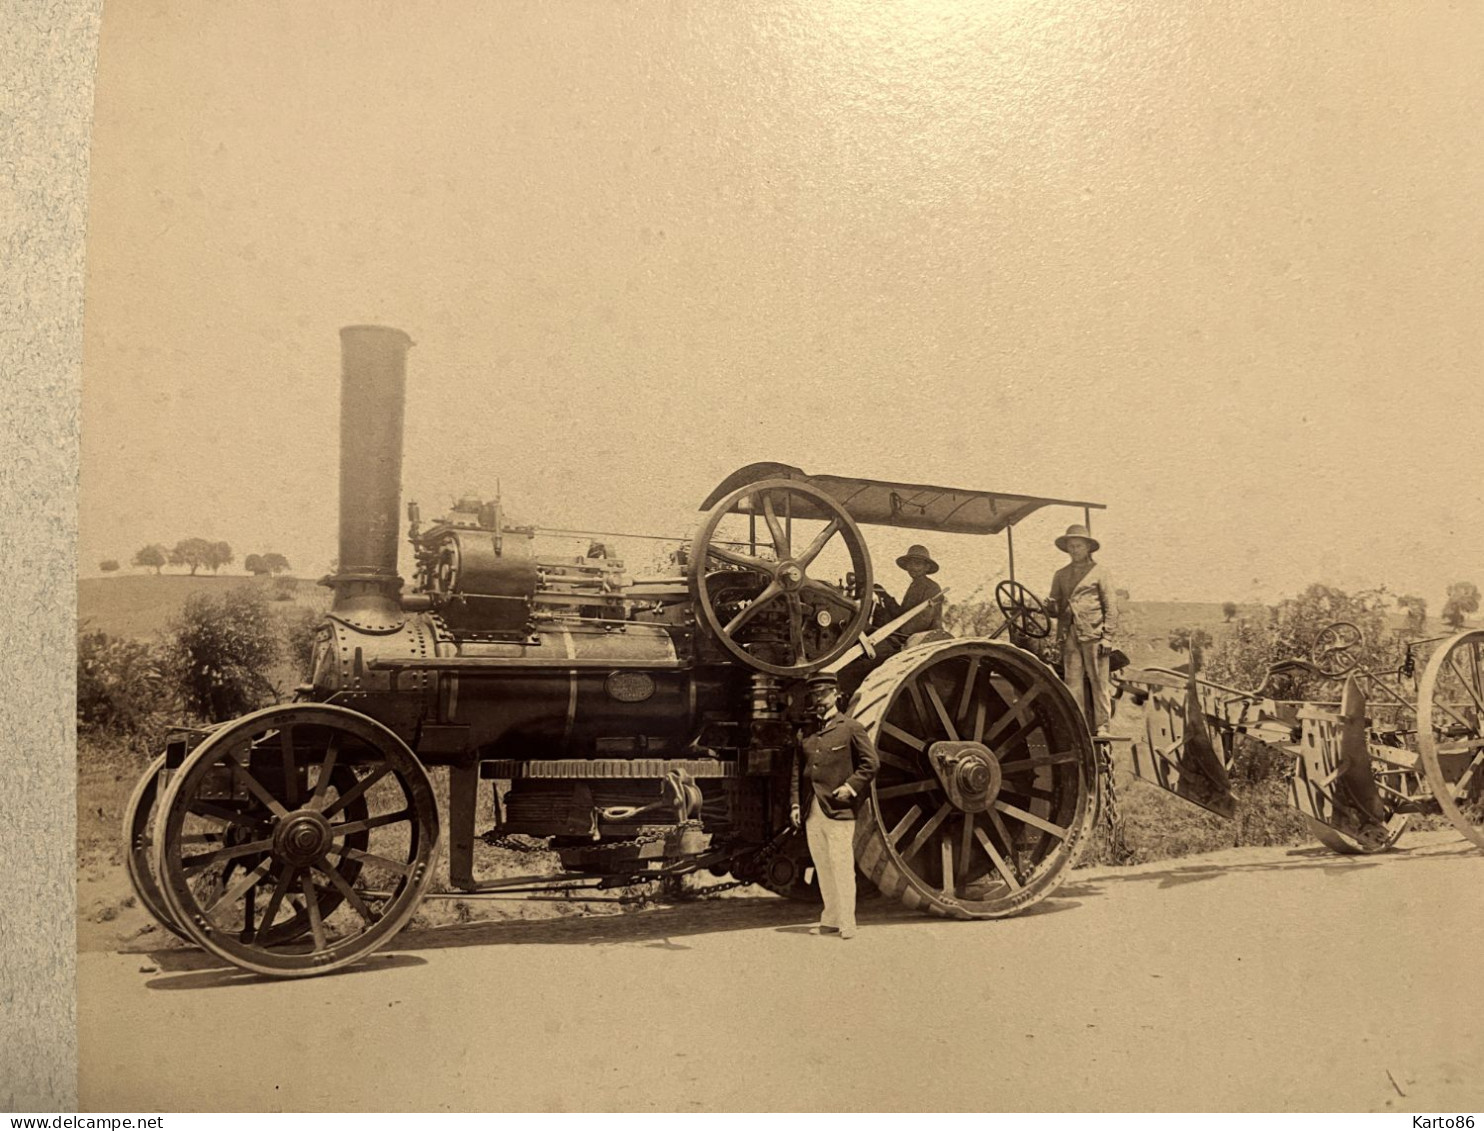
(1255, 979)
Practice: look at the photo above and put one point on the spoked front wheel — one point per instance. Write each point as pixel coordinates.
(139, 837)
(296, 840)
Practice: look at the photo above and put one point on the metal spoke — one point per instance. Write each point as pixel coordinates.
(255, 787)
(979, 712)
(1031, 819)
(351, 895)
(732, 557)
(772, 590)
(1016, 712)
(356, 790)
(914, 692)
(1005, 838)
(290, 766)
(945, 847)
(190, 865)
(326, 768)
(217, 813)
(274, 901)
(903, 825)
(194, 838)
(1061, 757)
(349, 828)
(903, 737)
(937, 701)
(826, 592)
(895, 760)
(379, 861)
(795, 625)
(969, 678)
(996, 859)
(966, 846)
(812, 550)
(775, 528)
(1464, 681)
(927, 830)
(311, 904)
(233, 893)
(906, 789)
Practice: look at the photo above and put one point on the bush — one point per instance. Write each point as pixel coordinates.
(301, 632)
(219, 653)
(122, 689)
(1242, 655)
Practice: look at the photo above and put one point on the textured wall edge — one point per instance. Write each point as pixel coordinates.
(49, 52)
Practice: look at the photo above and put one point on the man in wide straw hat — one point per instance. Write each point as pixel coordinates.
(919, 565)
(1086, 612)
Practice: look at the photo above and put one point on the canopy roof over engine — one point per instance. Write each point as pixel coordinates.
(913, 506)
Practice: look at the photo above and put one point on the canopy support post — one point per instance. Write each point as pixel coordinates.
(1010, 542)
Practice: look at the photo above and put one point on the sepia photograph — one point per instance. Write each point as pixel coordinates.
(833, 556)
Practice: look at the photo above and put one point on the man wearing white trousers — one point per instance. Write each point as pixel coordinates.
(839, 763)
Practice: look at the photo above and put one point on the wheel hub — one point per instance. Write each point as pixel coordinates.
(302, 837)
(970, 773)
(791, 576)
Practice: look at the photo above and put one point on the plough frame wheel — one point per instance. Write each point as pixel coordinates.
(1450, 730)
(987, 787)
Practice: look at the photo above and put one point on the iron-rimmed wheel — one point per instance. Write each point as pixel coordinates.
(1337, 648)
(987, 786)
(820, 623)
(296, 840)
(139, 838)
(1022, 610)
(1450, 730)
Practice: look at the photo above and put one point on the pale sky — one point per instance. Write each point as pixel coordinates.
(1218, 266)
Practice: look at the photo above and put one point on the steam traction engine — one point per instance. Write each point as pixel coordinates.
(642, 728)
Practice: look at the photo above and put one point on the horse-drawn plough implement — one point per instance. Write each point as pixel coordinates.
(1391, 743)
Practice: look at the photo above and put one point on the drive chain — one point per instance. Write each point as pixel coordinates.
(1113, 831)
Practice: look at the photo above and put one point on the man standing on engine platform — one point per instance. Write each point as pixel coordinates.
(839, 763)
(1086, 611)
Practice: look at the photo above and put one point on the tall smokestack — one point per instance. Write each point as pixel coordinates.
(373, 381)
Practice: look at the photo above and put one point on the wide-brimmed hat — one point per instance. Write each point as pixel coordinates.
(1077, 530)
(921, 554)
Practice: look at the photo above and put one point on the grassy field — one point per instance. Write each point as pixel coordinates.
(141, 606)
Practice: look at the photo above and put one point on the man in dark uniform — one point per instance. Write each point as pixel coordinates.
(839, 762)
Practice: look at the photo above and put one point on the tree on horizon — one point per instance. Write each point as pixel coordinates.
(193, 552)
(1463, 598)
(154, 556)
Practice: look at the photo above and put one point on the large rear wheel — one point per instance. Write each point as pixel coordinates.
(986, 791)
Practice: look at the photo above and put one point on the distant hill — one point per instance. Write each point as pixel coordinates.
(140, 606)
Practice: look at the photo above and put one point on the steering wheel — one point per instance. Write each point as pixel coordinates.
(1337, 649)
(808, 620)
(1022, 610)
